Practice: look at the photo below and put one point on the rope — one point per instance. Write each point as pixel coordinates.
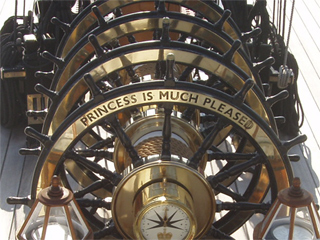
(153, 146)
(284, 18)
(274, 11)
(289, 32)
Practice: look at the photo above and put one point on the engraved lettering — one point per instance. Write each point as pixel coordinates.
(90, 117)
(102, 110)
(221, 107)
(237, 116)
(183, 98)
(119, 103)
(229, 112)
(149, 96)
(242, 120)
(212, 104)
(164, 95)
(207, 100)
(174, 97)
(96, 113)
(112, 107)
(248, 125)
(133, 98)
(193, 98)
(84, 121)
(126, 100)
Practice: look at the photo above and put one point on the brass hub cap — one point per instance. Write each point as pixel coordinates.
(164, 188)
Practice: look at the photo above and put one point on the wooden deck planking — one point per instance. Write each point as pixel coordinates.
(11, 179)
(306, 12)
(305, 46)
(4, 143)
(308, 168)
(21, 211)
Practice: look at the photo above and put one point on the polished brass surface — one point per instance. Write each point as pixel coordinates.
(143, 105)
(154, 55)
(107, 7)
(136, 26)
(172, 182)
(81, 175)
(147, 128)
(15, 74)
(249, 125)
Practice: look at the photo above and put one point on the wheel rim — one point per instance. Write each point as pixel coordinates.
(262, 137)
(87, 19)
(106, 113)
(144, 22)
(142, 53)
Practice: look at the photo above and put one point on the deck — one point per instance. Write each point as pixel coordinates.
(16, 170)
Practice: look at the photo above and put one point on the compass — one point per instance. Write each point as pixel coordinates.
(165, 220)
(161, 203)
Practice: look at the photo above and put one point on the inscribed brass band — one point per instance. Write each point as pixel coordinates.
(172, 96)
(157, 96)
(152, 55)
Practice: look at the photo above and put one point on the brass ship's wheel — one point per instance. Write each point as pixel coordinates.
(161, 22)
(159, 156)
(88, 19)
(163, 113)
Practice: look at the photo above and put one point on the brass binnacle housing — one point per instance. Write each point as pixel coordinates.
(155, 189)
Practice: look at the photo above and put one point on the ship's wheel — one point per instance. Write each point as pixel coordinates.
(147, 153)
(169, 136)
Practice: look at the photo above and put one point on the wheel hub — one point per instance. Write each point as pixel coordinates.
(145, 134)
(154, 193)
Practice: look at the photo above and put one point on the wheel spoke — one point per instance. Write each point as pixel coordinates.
(223, 189)
(92, 166)
(163, 125)
(101, 183)
(186, 73)
(188, 113)
(243, 206)
(166, 134)
(215, 233)
(108, 230)
(242, 145)
(125, 140)
(101, 153)
(230, 157)
(108, 142)
(94, 203)
(206, 144)
(93, 220)
(236, 170)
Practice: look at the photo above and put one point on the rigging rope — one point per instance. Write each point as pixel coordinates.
(289, 32)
